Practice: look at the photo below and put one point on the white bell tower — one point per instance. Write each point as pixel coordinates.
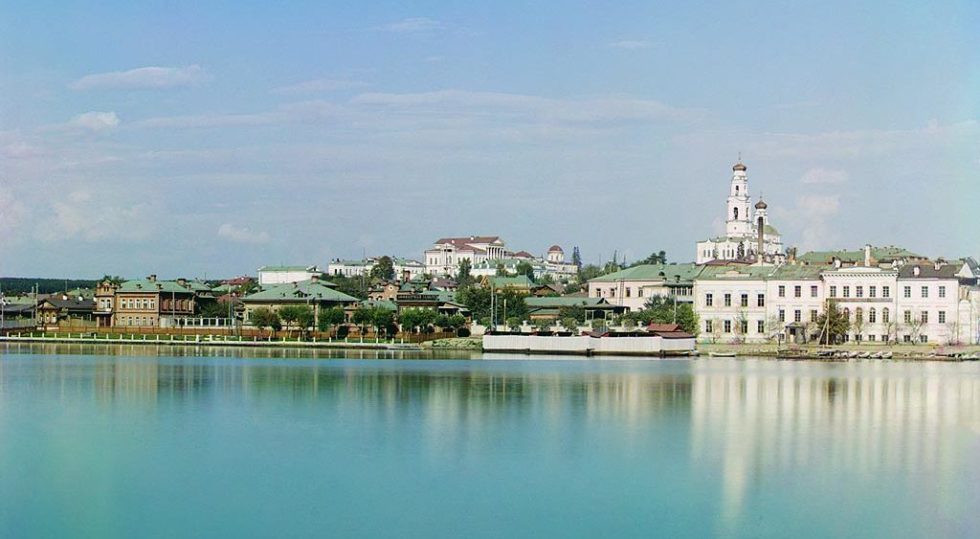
(738, 224)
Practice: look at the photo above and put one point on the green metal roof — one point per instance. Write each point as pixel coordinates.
(881, 254)
(735, 272)
(311, 290)
(797, 272)
(380, 304)
(669, 273)
(146, 285)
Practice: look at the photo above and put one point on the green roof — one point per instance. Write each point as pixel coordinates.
(286, 268)
(797, 272)
(735, 272)
(669, 273)
(769, 229)
(311, 290)
(563, 301)
(146, 285)
(881, 254)
(380, 304)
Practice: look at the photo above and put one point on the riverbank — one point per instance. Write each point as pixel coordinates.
(912, 352)
(212, 340)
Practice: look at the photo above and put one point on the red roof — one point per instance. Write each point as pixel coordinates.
(459, 242)
(555, 248)
(523, 254)
(663, 327)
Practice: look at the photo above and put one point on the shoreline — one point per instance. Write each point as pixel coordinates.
(219, 343)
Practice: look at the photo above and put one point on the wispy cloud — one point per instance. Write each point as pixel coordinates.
(142, 78)
(824, 176)
(318, 86)
(95, 121)
(80, 215)
(413, 25)
(12, 214)
(242, 234)
(630, 44)
(816, 213)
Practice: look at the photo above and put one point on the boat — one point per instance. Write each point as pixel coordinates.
(721, 354)
(864, 355)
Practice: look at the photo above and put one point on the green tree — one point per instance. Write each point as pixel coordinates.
(575, 312)
(463, 276)
(383, 320)
(363, 317)
(570, 323)
(476, 299)
(248, 287)
(329, 318)
(589, 272)
(352, 286)
(513, 323)
(442, 321)
(304, 319)
(264, 318)
(290, 316)
(659, 257)
(215, 309)
(383, 269)
(525, 268)
(833, 324)
(663, 310)
(457, 321)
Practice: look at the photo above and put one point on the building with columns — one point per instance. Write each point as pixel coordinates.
(749, 236)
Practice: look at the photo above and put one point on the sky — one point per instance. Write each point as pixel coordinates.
(206, 139)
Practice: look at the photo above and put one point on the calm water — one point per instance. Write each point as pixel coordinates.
(138, 442)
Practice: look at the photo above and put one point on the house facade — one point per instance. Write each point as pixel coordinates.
(273, 275)
(446, 253)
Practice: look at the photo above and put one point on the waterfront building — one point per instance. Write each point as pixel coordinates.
(748, 235)
(889, 256)
(549, 308)
(868, 297)
(930, 300)
(315, 293)
(63, 311)
(148, 302)
(732, 303)
(273, 275)
(632, 287)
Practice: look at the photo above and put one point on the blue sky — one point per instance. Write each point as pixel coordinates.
(209, 138)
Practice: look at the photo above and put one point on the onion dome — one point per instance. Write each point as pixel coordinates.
(739, 167)
(761, 205)
(555, 249)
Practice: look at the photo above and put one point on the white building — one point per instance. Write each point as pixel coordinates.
(357, 268)
(446, 254)
(633, 287)
(746, 234)
(271, 275)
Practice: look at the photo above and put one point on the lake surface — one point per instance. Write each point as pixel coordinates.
(146, 442)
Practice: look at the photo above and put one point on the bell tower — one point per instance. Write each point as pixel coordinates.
(738, 224)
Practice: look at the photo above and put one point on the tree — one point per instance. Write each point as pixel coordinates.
(833, 324)
(514, 323)
(574, 312)
(570, 323)
(363, 317)
(383, 320)
(215, 309)
(300, 316)
(248, 287)
(525, 268)
(664, 310)
(588, 272)
(442, 321)
(576, 257)
(463, 276)
(352, 286)
(383, 269)
(410, 319)
(476, 299)
(333, 316)
(111, 279)
(264, 318)
(502, 270)
(456, 322)
(659, 257)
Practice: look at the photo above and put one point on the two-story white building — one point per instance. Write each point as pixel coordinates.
(446, 253)
(633, 287)
(272, 275)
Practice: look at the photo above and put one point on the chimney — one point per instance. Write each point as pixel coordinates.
(760, 249)
(836, 262)
(939, 264)
(916, 270)
(314, 277)
(867, 255)
(182, 282)
(152, 278)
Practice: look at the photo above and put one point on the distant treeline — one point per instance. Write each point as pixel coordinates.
(22, 285)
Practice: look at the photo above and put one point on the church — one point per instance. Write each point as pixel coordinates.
(748, 233)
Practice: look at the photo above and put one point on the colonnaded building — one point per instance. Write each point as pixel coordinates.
(749, 236)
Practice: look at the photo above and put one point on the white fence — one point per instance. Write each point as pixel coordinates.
(541, 344)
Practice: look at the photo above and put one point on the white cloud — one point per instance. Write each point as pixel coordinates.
(80, 215)
(824, 176)
(142, 78)
(630, 44)
(816, 213)
(95, 121)
(413, 25)
(241, 234)
(12, 214)
(317, 86)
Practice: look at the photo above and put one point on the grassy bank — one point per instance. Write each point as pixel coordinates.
(457, 343)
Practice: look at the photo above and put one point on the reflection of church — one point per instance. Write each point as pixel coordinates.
(745, 235)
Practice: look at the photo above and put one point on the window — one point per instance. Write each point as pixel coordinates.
(728, 326)
(782, 291)
(797, 316)
(760, 326)
(924, 317)
(942, 317)
(923, 339)
(884, 338)
(925, 291)
(859, 291)
(629, 292)
(797, 291)
(859, 315)
(857, 338)
(813, 315)
(906, 291)
(871, 337)
(833, 291)
(743, 326)
(639, 292)
(813, 291)
(907, 316)
(612, 292)
(885, 292)
(728, 300)
(708, 326)
(885, 315)
(942, 291)
(782, 315)
(598, 292)
(760, 301)
(872, 292)
(745, 300)
(847, 291)
(709, 300)
(906, 338)
(872, 315)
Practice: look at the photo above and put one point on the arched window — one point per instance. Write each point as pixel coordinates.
(872, 315)
(884, 315)
(736, 214)
(859, 314)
